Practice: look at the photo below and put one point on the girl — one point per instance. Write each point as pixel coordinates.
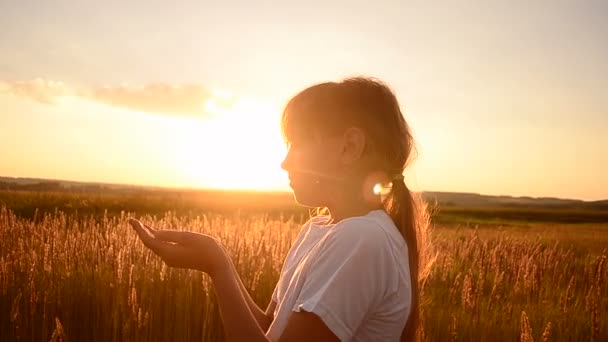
(352, 273)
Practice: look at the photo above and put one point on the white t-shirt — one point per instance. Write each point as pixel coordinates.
(353, 274)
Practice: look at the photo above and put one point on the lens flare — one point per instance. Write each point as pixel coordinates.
(380, 189)
(377, 189)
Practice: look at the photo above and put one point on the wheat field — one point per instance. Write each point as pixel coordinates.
(69, 277)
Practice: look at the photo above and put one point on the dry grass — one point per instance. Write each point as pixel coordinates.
(70, 278)
(531, 283)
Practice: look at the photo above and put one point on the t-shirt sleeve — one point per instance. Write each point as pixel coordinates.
(348, 277)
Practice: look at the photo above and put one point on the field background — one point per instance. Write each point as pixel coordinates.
(71, 269)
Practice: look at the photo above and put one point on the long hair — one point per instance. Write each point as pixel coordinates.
(372, 106)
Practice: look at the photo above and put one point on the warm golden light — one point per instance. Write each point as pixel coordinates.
(240, 148)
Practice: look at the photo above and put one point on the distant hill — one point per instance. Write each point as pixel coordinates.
(444, 200)
(18, 182)
(472, 200)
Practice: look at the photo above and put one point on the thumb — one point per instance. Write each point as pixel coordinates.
(139, 227)
(153, 230)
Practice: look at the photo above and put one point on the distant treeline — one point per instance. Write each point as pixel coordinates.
(153, 202)
(96, 200)
(42, 186)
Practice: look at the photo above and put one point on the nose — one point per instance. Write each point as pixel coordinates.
(287, 163)
(284, 163)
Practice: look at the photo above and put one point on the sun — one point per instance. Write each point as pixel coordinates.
(240, 147)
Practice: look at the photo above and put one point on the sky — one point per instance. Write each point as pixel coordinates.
(503, 97)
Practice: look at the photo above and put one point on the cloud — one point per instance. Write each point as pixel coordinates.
(40, 90)
(156, 98)
(161, 98)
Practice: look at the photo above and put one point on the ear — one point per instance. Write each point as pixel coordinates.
(353, 145)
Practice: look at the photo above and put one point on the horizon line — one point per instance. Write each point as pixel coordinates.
(183, 188)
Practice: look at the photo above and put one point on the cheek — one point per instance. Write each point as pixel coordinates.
(304, 160)
(324, 157)
(319, 158)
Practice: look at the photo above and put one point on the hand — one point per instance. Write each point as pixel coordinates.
(182, 249)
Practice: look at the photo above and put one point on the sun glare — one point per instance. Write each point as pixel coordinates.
(240, 147)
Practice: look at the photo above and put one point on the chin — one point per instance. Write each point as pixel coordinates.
(308, 199)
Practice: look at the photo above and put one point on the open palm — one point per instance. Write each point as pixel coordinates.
(181, 249)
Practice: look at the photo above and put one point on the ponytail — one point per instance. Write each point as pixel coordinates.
(408, 212)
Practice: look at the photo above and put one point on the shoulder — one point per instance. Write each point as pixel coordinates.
(312, 221)
(374, 235)
(358, 232)
(318, 220)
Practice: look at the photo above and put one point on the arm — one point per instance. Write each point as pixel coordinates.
(264, 319)
(306, 326)
(203, 253)
(240, 322)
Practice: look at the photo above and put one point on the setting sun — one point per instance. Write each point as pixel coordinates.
(239, 148)
(230, 143)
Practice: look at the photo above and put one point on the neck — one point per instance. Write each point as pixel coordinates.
(350, 205)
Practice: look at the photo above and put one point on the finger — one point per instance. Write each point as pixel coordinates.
(156, 245)
(133, 221)
(153, 230)
(138, 226)
(143, 234)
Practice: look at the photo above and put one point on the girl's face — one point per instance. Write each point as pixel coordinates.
(314, 169)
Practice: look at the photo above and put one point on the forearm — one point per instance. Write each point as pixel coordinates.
(259, 314)
(240, 323)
